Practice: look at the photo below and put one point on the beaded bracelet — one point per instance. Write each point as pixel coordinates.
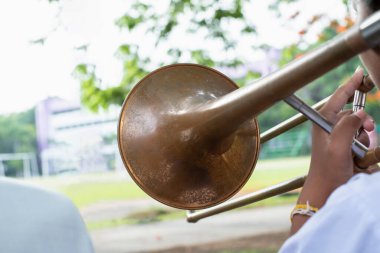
(302, 209)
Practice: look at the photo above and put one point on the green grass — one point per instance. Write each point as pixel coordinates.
(84, 194)
(152, 215)
(142, 217)
(269, 172)
(87, 189)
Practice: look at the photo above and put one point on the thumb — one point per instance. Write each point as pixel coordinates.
(344, 131)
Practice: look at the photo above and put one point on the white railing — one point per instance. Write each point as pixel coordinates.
(30, 167)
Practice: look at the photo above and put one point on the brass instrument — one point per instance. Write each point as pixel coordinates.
(188, 137)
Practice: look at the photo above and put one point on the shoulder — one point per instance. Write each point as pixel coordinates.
(361, 192)
(39, 220)
(18, 198)
(347, 223)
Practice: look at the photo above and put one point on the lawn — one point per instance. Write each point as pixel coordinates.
(269, 172)
(87, 189)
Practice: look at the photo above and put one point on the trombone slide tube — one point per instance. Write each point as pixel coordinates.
(372, 157)
(370, 30)
(359, 104)
(358, 148)
(309, 113)
(289, 123)
(359, 101)
(247, 199)
(249, 101)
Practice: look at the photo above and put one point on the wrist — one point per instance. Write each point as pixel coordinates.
(323, 181)
(300, 214)
(316, 192)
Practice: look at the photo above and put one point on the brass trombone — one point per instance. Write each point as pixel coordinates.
(188, 136)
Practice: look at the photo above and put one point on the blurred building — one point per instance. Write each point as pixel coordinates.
(70, 138)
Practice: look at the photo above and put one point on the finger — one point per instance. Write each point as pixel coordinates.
(373, 168)
(368, 124)
(341, 96)
(364, 138)
(370, 170)
(341, 115)
(321, 133)
(345, 130)
(372, 135)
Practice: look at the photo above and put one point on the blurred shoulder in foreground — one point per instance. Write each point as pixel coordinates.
(36, 220)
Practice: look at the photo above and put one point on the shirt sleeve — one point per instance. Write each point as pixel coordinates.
(349, 221)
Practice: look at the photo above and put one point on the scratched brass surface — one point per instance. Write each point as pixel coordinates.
(167, 151)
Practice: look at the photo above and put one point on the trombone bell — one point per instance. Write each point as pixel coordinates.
(166, 150)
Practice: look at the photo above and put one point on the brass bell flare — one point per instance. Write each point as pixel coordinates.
(170, 148)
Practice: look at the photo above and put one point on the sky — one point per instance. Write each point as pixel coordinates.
(32, 72)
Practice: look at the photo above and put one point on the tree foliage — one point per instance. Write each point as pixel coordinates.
(324, 86)
(17, 132)
(214, 22)
(17, 135)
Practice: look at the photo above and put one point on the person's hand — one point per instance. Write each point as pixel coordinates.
(332, 160)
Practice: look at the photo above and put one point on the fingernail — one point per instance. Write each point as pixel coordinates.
(358, 69)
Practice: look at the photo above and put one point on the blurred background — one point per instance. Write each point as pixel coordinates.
(67, 66)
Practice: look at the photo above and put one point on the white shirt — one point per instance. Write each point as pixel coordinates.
(34, 220)
(349, 221)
